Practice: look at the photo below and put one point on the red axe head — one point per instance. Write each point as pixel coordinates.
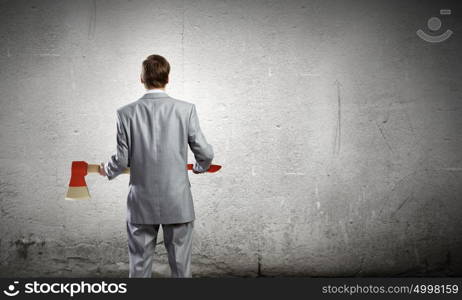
(77, 186)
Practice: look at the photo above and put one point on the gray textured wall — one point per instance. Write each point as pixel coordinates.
(338, 128)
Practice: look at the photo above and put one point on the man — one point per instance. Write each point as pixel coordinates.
(153, 134)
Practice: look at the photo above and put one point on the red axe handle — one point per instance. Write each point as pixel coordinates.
(212, 169)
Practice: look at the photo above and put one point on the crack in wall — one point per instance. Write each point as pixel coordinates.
(338, 129)
(92, 23)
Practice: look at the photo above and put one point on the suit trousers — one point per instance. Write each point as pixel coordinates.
(142, 240)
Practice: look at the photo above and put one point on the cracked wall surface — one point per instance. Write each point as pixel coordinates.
(338, 128)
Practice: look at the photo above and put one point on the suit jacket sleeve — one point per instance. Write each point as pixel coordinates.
(120, 160)
(203, 152)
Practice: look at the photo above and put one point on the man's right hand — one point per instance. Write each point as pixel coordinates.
(197, 169)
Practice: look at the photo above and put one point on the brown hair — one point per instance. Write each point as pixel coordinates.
(155, 71)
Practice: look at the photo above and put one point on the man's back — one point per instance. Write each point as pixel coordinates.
(153, 134)
(153, 137)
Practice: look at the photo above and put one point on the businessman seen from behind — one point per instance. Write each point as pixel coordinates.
(153, 135)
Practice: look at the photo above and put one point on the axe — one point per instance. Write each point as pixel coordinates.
(78, 187)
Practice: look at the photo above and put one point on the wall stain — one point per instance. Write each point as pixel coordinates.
(22, 247)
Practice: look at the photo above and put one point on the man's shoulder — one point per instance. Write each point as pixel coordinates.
(127, 109)
(181, 102)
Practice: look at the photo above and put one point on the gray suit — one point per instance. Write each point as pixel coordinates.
(153, 134)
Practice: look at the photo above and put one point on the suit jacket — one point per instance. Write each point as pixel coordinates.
(153, 134)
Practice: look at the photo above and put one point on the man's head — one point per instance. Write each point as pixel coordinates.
(154, 73)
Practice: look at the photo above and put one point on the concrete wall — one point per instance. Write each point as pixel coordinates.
(339, 131)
